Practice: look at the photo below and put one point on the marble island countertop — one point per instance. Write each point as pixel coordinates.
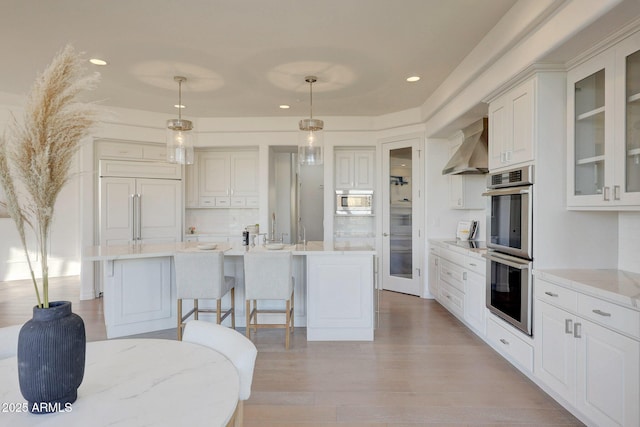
(617, 286)
(151, 250)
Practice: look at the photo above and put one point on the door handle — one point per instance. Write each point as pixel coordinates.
(133, 217)
(577, 330)
(385, 234)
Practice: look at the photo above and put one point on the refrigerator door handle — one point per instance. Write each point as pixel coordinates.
(133, 218)
(139, 217)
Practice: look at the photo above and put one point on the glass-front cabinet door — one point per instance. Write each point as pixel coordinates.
(626, 190)
(590, 142)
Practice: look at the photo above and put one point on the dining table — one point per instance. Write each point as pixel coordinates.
(136, 382)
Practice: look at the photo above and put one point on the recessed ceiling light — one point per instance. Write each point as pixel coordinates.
(413, 78)
(180, 106)
(285, 107)
(97, 61)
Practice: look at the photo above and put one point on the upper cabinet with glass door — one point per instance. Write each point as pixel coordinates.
(603, 111)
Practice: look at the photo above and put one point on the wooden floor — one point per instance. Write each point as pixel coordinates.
(423, 369)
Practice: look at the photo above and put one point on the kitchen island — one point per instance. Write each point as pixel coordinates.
(334, 288)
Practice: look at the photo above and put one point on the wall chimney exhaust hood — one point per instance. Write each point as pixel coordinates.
(472, 157)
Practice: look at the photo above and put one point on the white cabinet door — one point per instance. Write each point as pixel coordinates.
(160, 210)
(340, 297)
(626, 185)
(354, 169)
(555, 356)
(608, 376)
(363, 172)
(214, 172)
(138, 296)
(244, 173)
(116, 210)
(434, 272)
(519, 148)
(497, 132)
(474, 301)
(344, 170)
(590, 138)
(511, 121)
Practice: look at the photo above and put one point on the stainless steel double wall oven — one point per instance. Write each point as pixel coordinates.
(509, 243)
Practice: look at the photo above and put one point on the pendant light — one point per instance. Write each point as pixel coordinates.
(311, 135)
(179, 133)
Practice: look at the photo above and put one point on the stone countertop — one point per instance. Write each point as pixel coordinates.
(144, 250)
(461, 246)
(617, 286)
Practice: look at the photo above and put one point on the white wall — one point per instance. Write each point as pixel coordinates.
(629, 241)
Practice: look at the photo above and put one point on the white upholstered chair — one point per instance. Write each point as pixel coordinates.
(268, 276)
(200, 275)
(9, 341)
(234, 346)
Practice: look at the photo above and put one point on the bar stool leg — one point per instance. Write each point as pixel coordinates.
(180, 320)
(233, 308)
(195, 309)
(248, 318)
(218, 311)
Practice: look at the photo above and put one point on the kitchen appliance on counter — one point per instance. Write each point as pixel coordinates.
(509, 243)
(354, 202)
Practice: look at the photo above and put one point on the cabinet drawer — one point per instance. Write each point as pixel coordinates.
(614, 316)
(452, 274)
(556, 295)
(477, 265)
(434, 250)
(454, 257)
(238, 202)
(119, 150)
(207, 202)
(223, 202)
(251, 202)
(453, 300)
(510, 344)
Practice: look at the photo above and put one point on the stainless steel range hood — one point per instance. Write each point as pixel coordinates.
(472, 156)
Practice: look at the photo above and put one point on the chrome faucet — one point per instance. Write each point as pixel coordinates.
(304, 235)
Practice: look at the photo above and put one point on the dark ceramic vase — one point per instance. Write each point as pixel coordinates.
(51, 355)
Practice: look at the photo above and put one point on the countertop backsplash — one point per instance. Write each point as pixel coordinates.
(220, 221)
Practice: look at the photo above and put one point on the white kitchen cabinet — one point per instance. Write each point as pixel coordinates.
(511, 126)
(354, 169)
(131, 150)
(139, 296)
(512, 344)
(603, 129)
(475, 301)
(593, 368)
(340, 297)
(227, 179)
(461, 285)
(434, 271)
(138, 202)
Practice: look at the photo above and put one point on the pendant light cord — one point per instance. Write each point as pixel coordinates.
(180, 100)
(311, 99)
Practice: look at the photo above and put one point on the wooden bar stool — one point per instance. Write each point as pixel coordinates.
(268, 276)
(200, 275)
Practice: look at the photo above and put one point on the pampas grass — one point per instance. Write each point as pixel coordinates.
(35, 156)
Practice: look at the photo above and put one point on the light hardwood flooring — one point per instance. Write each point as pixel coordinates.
(424, 369)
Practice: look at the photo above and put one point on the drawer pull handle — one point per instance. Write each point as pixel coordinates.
(601, 313)
(503, 341)
(551, 294)
(472, 264)
(448, 274)
(568, 326)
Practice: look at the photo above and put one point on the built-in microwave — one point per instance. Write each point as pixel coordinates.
(354, 202)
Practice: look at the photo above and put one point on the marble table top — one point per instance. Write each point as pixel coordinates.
(137, 382)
